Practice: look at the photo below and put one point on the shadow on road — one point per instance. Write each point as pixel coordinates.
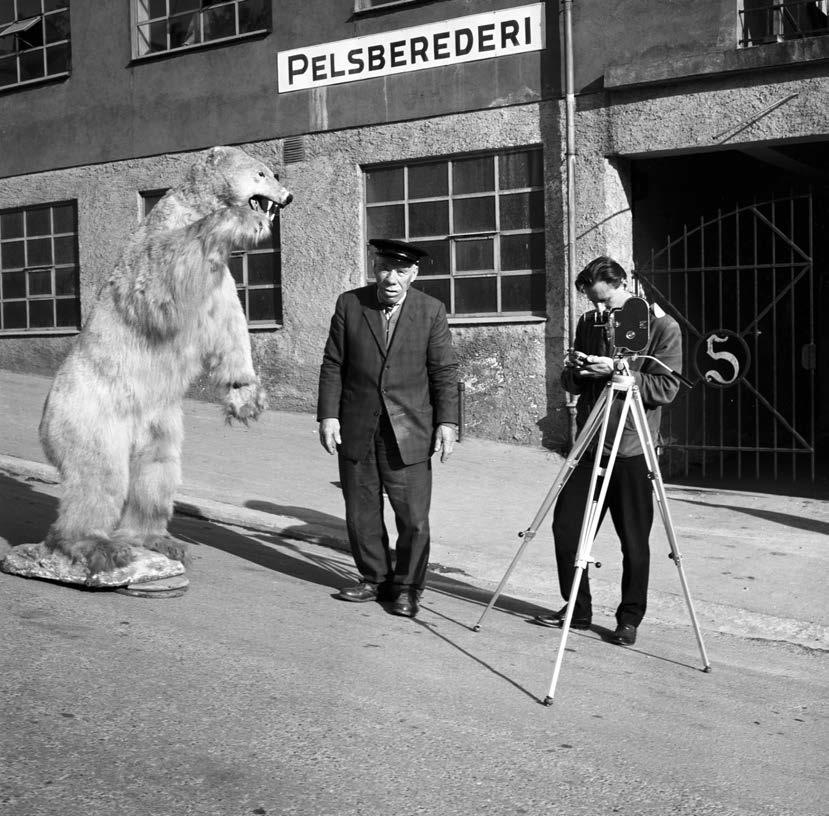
(786, 519)
(25, 512)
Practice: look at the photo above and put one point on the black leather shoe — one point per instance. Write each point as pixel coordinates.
(625, 635)
(406, 604)
(557, 619)
(359, 593)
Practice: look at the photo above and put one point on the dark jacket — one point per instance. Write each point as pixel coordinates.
(414, 380)
(657, 386)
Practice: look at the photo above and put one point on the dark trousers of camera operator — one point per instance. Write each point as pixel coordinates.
(630, 502)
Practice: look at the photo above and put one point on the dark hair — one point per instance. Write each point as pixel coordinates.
(601, 269)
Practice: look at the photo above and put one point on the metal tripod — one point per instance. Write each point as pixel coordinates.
(621, 383)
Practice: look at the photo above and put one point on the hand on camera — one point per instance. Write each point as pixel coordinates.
(595, 367)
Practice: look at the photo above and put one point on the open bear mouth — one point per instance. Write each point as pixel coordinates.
(263, 204)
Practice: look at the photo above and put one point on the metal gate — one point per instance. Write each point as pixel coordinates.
(741, 287)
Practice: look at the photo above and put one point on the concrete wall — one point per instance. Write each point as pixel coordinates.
(509, 366)
(113, 107)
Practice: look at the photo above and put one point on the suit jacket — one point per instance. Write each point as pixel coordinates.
(414, 380)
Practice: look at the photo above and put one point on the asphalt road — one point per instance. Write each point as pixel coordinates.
(257, 692)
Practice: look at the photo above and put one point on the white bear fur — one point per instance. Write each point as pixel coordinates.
(112, 422)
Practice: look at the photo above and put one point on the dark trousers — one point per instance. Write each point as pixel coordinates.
(630, 502)
(409, 488)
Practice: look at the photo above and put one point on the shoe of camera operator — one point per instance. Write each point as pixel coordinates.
(359, 593)
(406, 604)
(556, 619)
(625, 635)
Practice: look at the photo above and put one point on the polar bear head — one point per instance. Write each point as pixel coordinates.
(230, 177)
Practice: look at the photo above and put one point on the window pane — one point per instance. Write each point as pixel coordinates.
(184, 30)
(261, 269)
(520, 170)
(474, 295)
(384, 185)
(51, 5)
(6, 11)
(39, 252)
(31, 65)
(65, 250)
(436, 288)
(40, 282)
(12, 256)
(220, 22)
(429, 218)
(157, 36)
(474, 255)
(262, 304)
(474, 214)
(57, 59)
(38, 222)
(428, 180)
(385, 222)
(157, 8)
(11, 224)
(32, 37)
(253, 15)
(523, 293)
(14, 285)
(438, 261)
(14, 315)
(66, 281)
(522, 210)
(41, 313)
(67, 312)
(8, 71)
(57, 27)
(522, 251)
(28, 8)
(236, 265)
(473, 175)
(178, 6)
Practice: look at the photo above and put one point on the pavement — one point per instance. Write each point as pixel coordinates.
(755, 562)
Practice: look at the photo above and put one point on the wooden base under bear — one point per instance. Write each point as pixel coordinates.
(148, 567)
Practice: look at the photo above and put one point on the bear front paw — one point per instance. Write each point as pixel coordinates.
(245, 402)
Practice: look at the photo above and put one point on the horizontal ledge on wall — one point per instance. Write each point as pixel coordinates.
(38, 332)
(679, 67)
(264, 327)
(495, 319)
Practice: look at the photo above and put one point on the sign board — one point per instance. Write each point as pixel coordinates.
(462, 39)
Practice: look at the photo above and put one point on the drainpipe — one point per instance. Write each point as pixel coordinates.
(570, 155)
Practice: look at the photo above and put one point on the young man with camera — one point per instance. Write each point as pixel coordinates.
(629, 499)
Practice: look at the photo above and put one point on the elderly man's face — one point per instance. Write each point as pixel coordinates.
(393, 278)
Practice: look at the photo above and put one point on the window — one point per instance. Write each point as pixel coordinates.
(34, 41)
(480, 218)
(257, 272)
(39, 268)
(370, 5)
(767, 21)
(167, 25)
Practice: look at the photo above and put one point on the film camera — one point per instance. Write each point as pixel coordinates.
(626, 330)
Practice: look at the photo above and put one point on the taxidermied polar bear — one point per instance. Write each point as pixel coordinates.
(112, 422)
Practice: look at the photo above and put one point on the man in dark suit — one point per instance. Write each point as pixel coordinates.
(388, 400)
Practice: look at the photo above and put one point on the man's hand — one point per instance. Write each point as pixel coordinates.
(330, 434)
(444, 441)
(595, 367)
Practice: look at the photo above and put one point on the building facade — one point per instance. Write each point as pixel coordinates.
(700, 131)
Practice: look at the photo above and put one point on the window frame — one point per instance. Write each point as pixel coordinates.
(456, 238)
(136, 24)
(363, 7)
(242, 289)
(53, 268)
(14, 28)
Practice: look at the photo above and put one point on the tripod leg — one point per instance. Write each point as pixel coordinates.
(640, 418)
(589, 528)
(579, 447)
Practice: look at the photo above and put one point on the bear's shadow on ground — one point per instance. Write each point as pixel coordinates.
(26, 514)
